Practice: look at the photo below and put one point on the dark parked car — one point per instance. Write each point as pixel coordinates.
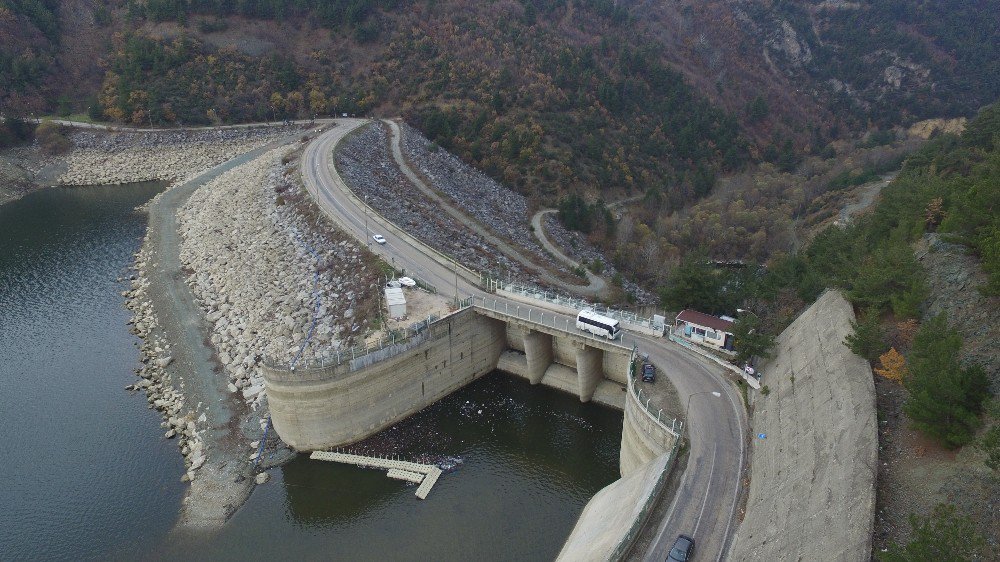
(648, 372)
(682, 549)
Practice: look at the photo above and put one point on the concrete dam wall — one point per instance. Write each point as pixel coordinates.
(337, 405)
(322, 407)
(643, 437)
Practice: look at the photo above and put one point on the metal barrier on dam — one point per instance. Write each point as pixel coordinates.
(339, 402)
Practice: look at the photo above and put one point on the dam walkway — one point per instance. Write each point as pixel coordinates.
(424, 474)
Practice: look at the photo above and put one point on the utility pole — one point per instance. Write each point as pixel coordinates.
(368, 240)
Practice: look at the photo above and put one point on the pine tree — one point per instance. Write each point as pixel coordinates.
(868, 338)
(945, 397)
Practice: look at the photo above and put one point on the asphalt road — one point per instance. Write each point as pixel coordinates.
(707, 500)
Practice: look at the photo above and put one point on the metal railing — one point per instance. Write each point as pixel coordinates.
(652, 410)
(552, 297)
(542, 317)
(389, 345)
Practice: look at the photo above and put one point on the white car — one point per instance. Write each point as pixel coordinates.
(378, 238)
(406, 282)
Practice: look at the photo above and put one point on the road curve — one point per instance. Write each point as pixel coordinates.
(597, 283)
(706, 502)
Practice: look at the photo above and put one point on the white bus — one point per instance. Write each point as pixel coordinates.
(590, 321)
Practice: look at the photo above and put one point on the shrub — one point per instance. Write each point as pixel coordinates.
(51, 138)
(941, 536)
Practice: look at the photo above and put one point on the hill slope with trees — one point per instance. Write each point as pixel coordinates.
(593, 97)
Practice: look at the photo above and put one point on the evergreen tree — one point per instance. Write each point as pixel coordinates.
(697, 285)
(945, 397)
(868, 338)
(751, 340)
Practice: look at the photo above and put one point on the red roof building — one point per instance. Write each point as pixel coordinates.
(705, 329)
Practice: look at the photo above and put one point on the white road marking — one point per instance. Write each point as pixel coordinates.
(704, 501)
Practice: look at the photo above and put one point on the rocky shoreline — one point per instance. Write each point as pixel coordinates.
(154, 353)
(234, 261)
(100, 157)
(229, 276)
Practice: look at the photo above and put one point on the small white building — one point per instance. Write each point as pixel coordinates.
(705, 329)
(395, 302)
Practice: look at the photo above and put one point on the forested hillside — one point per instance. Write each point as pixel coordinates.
(547, 97)
(552, 97)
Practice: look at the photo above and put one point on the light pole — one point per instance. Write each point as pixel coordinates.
(754, 314)
(367, 237)
(687, 409)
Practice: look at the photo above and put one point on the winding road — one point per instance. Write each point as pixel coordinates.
(706, 503)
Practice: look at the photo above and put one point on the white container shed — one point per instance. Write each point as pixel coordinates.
(395, 302)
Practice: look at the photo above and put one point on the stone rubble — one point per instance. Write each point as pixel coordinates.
(100, 157)
(501, 209)
(250, 269)
(365, 163)
(178, 418)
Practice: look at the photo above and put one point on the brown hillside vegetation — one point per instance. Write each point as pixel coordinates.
(549, 96)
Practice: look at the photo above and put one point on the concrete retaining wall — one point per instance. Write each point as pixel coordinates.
(812, 490)
(642, 438)
(323, 408)
(613, 518)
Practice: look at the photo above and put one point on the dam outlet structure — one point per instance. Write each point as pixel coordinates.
(322, 406)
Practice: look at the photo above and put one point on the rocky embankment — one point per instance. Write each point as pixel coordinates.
(954, 276)
(102, 157)
(263, 272)
(366, 164)
(500, 209)
(178, 419)
(257, 259)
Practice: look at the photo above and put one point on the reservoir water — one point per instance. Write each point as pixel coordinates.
(90, 476)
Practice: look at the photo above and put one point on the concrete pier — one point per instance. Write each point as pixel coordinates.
(589, 370)
(426, 474)
(538, 349)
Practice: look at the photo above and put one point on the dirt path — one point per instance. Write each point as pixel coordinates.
(591, 289)
(866, 196)
(597, 283)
